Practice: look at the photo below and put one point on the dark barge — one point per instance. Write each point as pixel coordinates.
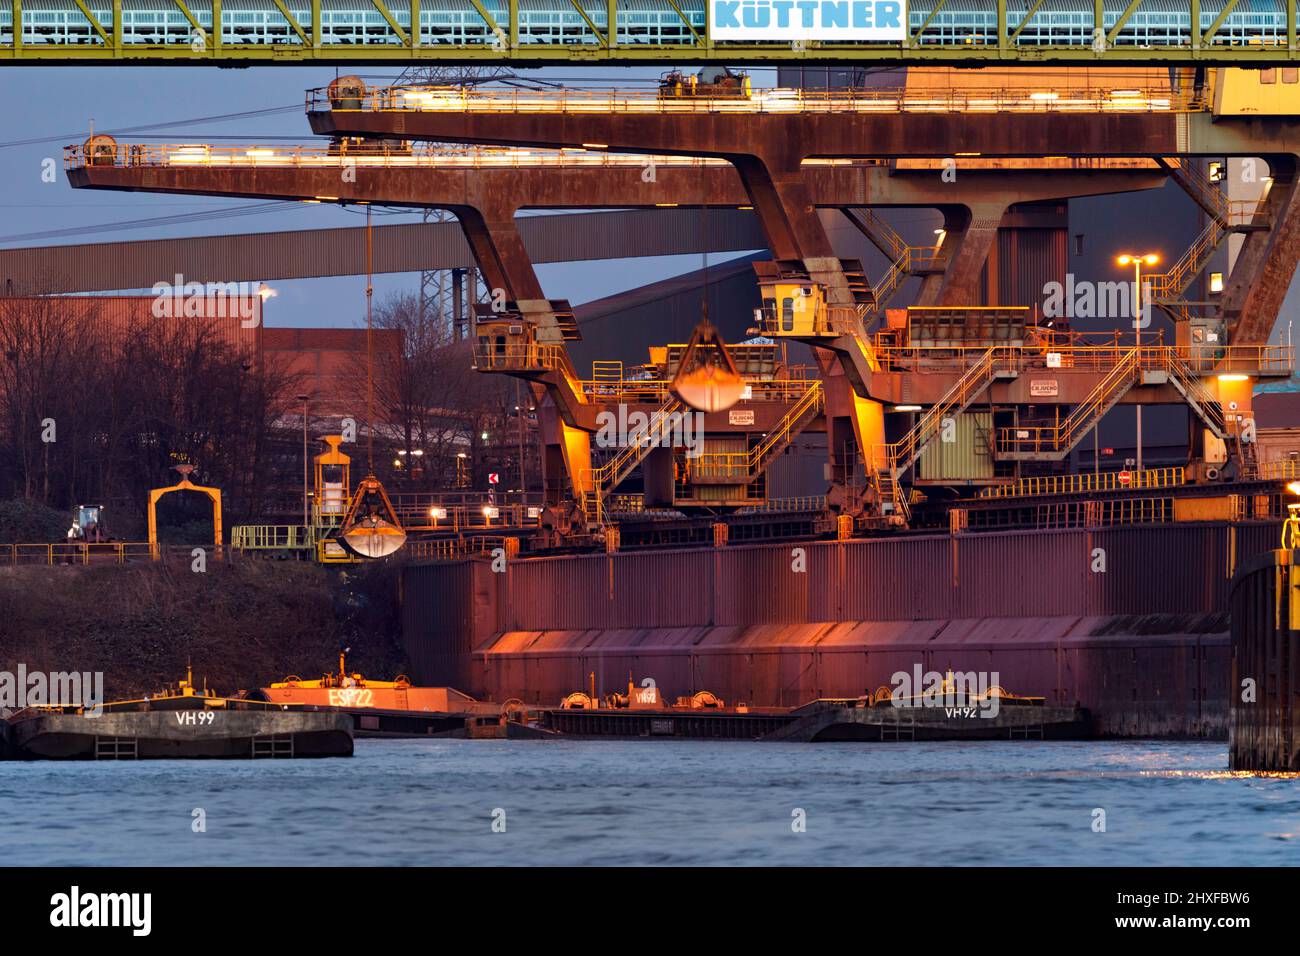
(181, 723)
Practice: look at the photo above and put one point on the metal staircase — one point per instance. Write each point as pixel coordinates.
(1225, 216)
(599, 483)
(1054, 442)
(801, 413)
(745, 467)
(904, 260)
(1190, 386)
(893, 459)
(884, 481)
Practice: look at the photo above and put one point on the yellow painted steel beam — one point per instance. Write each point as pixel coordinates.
(587, 20)
(1213, 28)
(506, 42)
(387, 15)
(189, 15)
(1123, 19)
(915, 39)
(499, 50)
(293, 22)
(1029, 15)
(94, 24)
(686, 21)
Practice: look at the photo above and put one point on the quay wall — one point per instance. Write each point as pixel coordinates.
(1130, 623)
(1265, 671)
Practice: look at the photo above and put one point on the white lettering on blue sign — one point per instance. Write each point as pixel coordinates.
(808, 20)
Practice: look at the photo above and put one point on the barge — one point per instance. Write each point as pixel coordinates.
(183, 722)
(395, 708)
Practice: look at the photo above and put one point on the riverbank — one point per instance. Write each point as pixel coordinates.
(240, 624)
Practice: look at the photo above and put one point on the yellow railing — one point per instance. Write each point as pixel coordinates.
(451, 549)
(1270, 360)
(1046, 439)
(744, 465)
(1284, 470)
(1191, 385)
(601, 481)
(781, 100)
(909, 260)
(468, 517)
(368, 154)
(263, 537)
(1087, 482)
(827, 320)
(1167, 285)
(114, 552)
(513, 356)
(656, 391)
(782, 505)
(899, 455)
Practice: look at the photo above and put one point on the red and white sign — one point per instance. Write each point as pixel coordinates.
(1124, 477)
(494, 478)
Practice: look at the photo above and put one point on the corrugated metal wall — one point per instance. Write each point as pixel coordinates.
(1142, 642)
(411, 247)
(1028, 259)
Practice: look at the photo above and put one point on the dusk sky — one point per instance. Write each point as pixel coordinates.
(45, 109)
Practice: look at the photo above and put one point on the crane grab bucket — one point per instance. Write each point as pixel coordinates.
(371, 528)
(706, 378)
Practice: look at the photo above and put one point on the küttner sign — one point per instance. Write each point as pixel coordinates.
(808, 20)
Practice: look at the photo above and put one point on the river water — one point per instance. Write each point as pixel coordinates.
(423, 802)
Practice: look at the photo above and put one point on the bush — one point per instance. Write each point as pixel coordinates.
(23, 521)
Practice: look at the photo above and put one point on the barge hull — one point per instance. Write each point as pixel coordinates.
(161, 735)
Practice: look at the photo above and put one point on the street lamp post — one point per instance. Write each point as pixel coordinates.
(305, 522)
(1137, 262)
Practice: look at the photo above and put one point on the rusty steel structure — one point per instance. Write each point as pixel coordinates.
(788, 154)
(486, 188)
(776, 141)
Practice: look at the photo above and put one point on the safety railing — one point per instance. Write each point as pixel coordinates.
(912, 259)
(898, 456)
(84, 553)
(598, 483)
(1169, 285)
(452, 549)
(265, 537)
(780, 100)
(1264, 360)
(458, 518)
(742, 466)
(803, 503)
(370, 153)
(1062, 436)
(657, 391)
(1086, 482)
(519, 357)
(809, 321)
(1205, 404)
